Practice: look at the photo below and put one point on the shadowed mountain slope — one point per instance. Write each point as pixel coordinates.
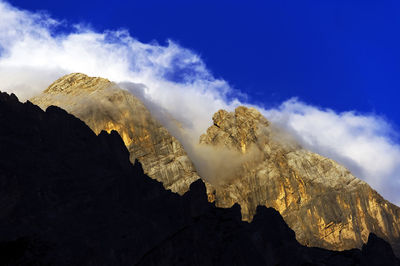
(69, 197)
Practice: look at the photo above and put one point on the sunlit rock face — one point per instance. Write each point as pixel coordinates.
(319, 199)
(102, 105)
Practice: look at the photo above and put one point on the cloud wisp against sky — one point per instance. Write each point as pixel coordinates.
(34, 52)
(360, 142)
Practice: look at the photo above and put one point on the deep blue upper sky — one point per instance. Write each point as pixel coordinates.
(339, 54)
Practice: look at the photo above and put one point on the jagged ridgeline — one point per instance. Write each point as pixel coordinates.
(71, 197)
(319, 199)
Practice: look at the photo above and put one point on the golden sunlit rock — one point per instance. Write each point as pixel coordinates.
(319, 199)
(102, 105)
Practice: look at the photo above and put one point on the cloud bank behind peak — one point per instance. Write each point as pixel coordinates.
(34, 52)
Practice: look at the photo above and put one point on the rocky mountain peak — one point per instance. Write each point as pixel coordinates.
(75, 83)
(242, 116)
(237, 130)
(320, 200)
(102, 105)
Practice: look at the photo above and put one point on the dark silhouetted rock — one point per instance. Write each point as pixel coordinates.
(69, 197)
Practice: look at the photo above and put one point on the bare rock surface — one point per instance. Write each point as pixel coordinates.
(102, 105)
(318, 198)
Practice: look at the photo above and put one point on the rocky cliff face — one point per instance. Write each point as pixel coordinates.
(319, 199)
(71, 197)
(103, 106)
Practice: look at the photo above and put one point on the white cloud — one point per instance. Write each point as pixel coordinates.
(175, 77)
(33, 54)
(360, 142)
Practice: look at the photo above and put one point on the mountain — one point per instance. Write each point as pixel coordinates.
(71, 197)
(102, 105)
(318, 198)
(321, 201)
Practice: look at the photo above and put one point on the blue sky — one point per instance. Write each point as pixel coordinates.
(339, 54)
(326, 71)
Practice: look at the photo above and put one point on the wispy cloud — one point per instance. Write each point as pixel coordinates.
(363, 143)
(34, 52)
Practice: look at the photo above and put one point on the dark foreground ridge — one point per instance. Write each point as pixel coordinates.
(69, 197)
